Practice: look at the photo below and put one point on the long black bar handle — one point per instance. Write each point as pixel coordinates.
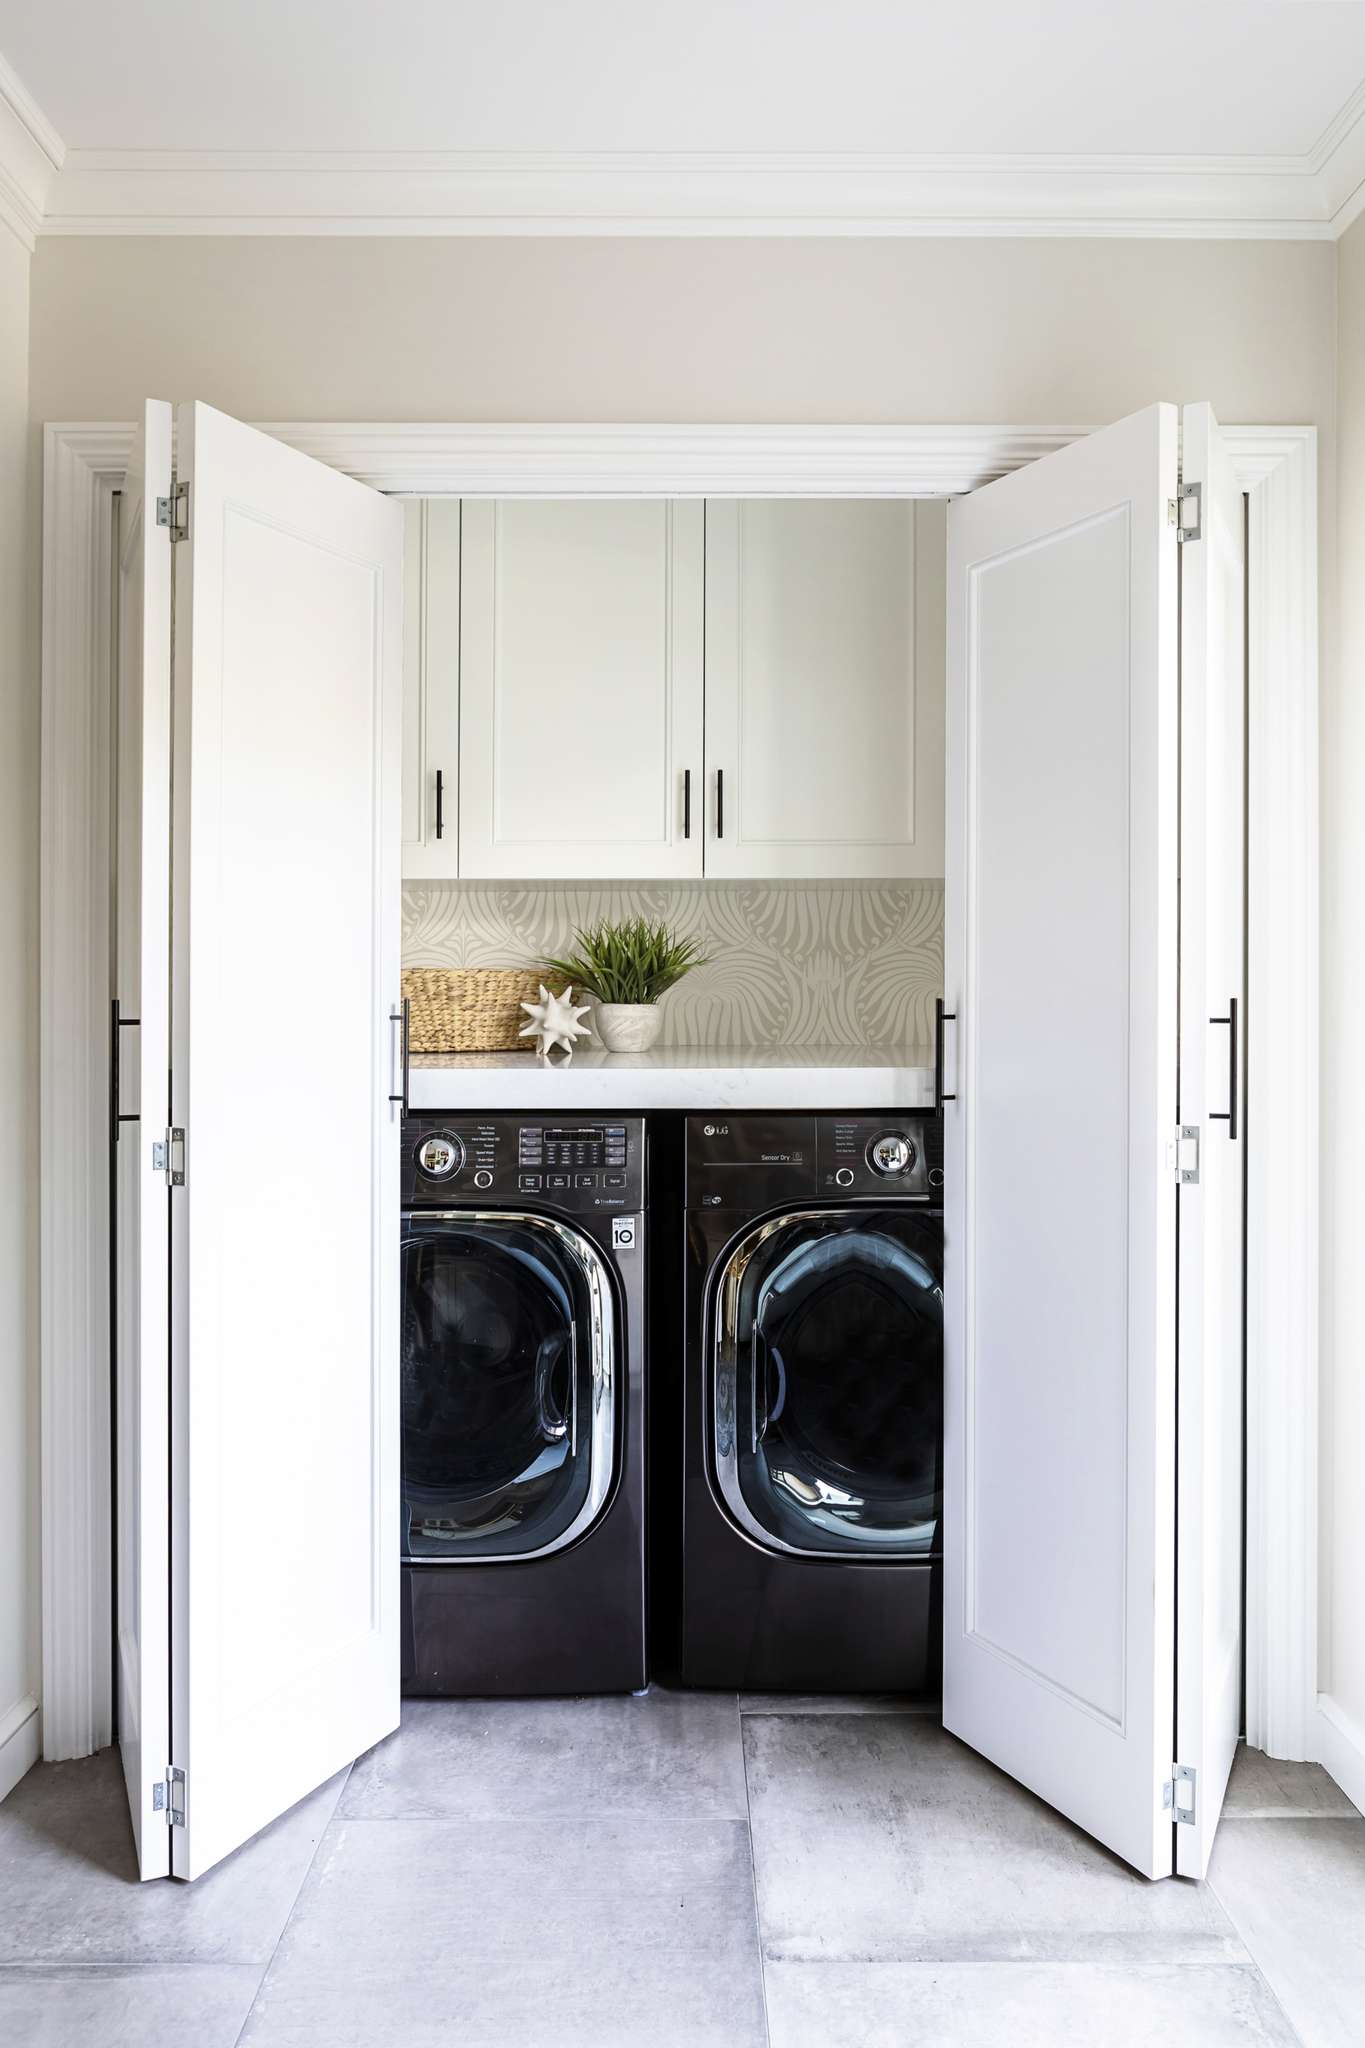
(720, 803)
(1228, 1116)
(687, 803)
(402, 1017)
(941, 1017)
(440, 804)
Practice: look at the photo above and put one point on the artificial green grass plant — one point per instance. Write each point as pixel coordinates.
(631, 962)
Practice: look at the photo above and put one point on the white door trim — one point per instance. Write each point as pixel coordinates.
(1277, 466)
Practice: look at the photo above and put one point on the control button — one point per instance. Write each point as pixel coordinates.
(844, 1177)
(558, 1180)
(890, 1154)
(936, 1176)
(483, 1178)
(613, 1180)
(585, 1180)
(529, 1183)
(441, 1156)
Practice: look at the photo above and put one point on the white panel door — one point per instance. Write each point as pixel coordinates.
(812, 698)
(142, 1063)
(284, 1388)
(431, 688)
(1212, 870)
(1061, 967)
(581, 688)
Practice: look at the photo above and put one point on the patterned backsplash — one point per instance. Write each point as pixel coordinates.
(789, 963)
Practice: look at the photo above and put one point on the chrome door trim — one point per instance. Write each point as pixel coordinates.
(602, 1427)
(722, 1332)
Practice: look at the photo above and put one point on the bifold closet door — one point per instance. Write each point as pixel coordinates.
(279, 1149)
(1060, 1254)
(138, 1114)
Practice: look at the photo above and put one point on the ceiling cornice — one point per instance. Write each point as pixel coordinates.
(46, 189)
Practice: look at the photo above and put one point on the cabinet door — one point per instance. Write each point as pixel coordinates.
(581, 688)
(814, 721)
(431, 687)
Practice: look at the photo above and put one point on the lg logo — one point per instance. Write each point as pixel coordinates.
(715, 1130)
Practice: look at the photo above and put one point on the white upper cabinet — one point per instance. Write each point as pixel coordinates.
(431, 687)
(581, 688)
(824, 757)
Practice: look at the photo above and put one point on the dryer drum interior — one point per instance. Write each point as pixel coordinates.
(507, 1386)
(827, 1405)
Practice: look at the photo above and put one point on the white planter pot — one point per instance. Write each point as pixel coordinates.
(628, 1027)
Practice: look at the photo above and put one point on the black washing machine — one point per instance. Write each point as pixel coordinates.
(813, 1403)
(523, 1405)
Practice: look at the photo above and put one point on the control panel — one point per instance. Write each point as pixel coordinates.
(749, 1162)
(589, 1165)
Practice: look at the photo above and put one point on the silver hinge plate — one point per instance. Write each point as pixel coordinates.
(1180, 1795)
(1186, 512)
(168, 1157)
(168, 1797)
(174, 512)
(1182, 1155)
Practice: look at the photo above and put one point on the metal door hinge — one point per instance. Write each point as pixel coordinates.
(1182, 1155)
(1180, 1795)
(168, 1157)
(168, 1797)
(174, 512)
(1186, 512)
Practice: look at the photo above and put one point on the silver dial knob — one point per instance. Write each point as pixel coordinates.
(440, 1156)
(890, 1154)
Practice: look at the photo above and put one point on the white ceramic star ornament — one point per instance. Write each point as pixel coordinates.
(554, 1021)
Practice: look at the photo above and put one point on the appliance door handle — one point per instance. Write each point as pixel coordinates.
(553, 1420)
(440, 804)
(941, 1017)
(402, 1017)
(1228, 1116)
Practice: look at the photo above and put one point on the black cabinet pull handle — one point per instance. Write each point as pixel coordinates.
(687, 803)
(440, 804)
(941, 1017)
(402, 1017)
(720, 803)
(1228, 1116)
(118, 1022)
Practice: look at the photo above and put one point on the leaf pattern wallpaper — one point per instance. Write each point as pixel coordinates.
(789, 963)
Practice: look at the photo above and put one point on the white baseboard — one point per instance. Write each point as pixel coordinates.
(20, 1732)
(1341, 1747)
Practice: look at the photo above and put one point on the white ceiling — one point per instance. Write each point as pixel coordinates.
(697, 116)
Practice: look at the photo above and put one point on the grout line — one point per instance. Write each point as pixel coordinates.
(323, 1833)
(753, 1876)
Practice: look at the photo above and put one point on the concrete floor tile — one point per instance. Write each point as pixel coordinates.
(199, 2005)
(428, 1933)
(1295, 1890)
(883, 1838)
(1021, 2005)
(838, 1703)
(69, 1890)
(1263, 1788)
(668, 1753)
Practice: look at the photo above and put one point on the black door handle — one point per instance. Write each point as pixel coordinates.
(440, 804)
(1228, 1116)
(687, 803)
(941, 1017)
(402, 1017)
(720, 803)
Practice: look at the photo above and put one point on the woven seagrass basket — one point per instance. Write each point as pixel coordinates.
(469, 1009)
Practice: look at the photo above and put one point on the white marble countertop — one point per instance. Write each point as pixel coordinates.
(679, 1077)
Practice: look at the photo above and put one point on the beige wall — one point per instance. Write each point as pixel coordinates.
(18, 1016)
(1343, 1034)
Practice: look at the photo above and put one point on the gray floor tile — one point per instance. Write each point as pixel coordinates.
(837, 1703)
(1262, 1788)
(559, 1934)
(199, 2005)
(670, 1753)
(883, 1838)
(1021, 2005)
(69, 1891)
(1295, 1890)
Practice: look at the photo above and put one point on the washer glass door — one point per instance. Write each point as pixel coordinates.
(827, 1382)
(508, 1386)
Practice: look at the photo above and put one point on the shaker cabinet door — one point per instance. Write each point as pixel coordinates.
(824, 754)
(431, 689)
(581, 688)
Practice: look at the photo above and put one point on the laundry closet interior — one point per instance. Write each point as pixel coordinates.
(881, 1328)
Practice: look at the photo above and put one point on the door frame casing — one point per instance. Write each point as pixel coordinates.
(1276, 466)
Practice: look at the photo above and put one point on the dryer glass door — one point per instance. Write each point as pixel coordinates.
(509, 1386)
(827, 1388)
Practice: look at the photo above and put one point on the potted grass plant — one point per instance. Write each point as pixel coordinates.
(626, 967)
